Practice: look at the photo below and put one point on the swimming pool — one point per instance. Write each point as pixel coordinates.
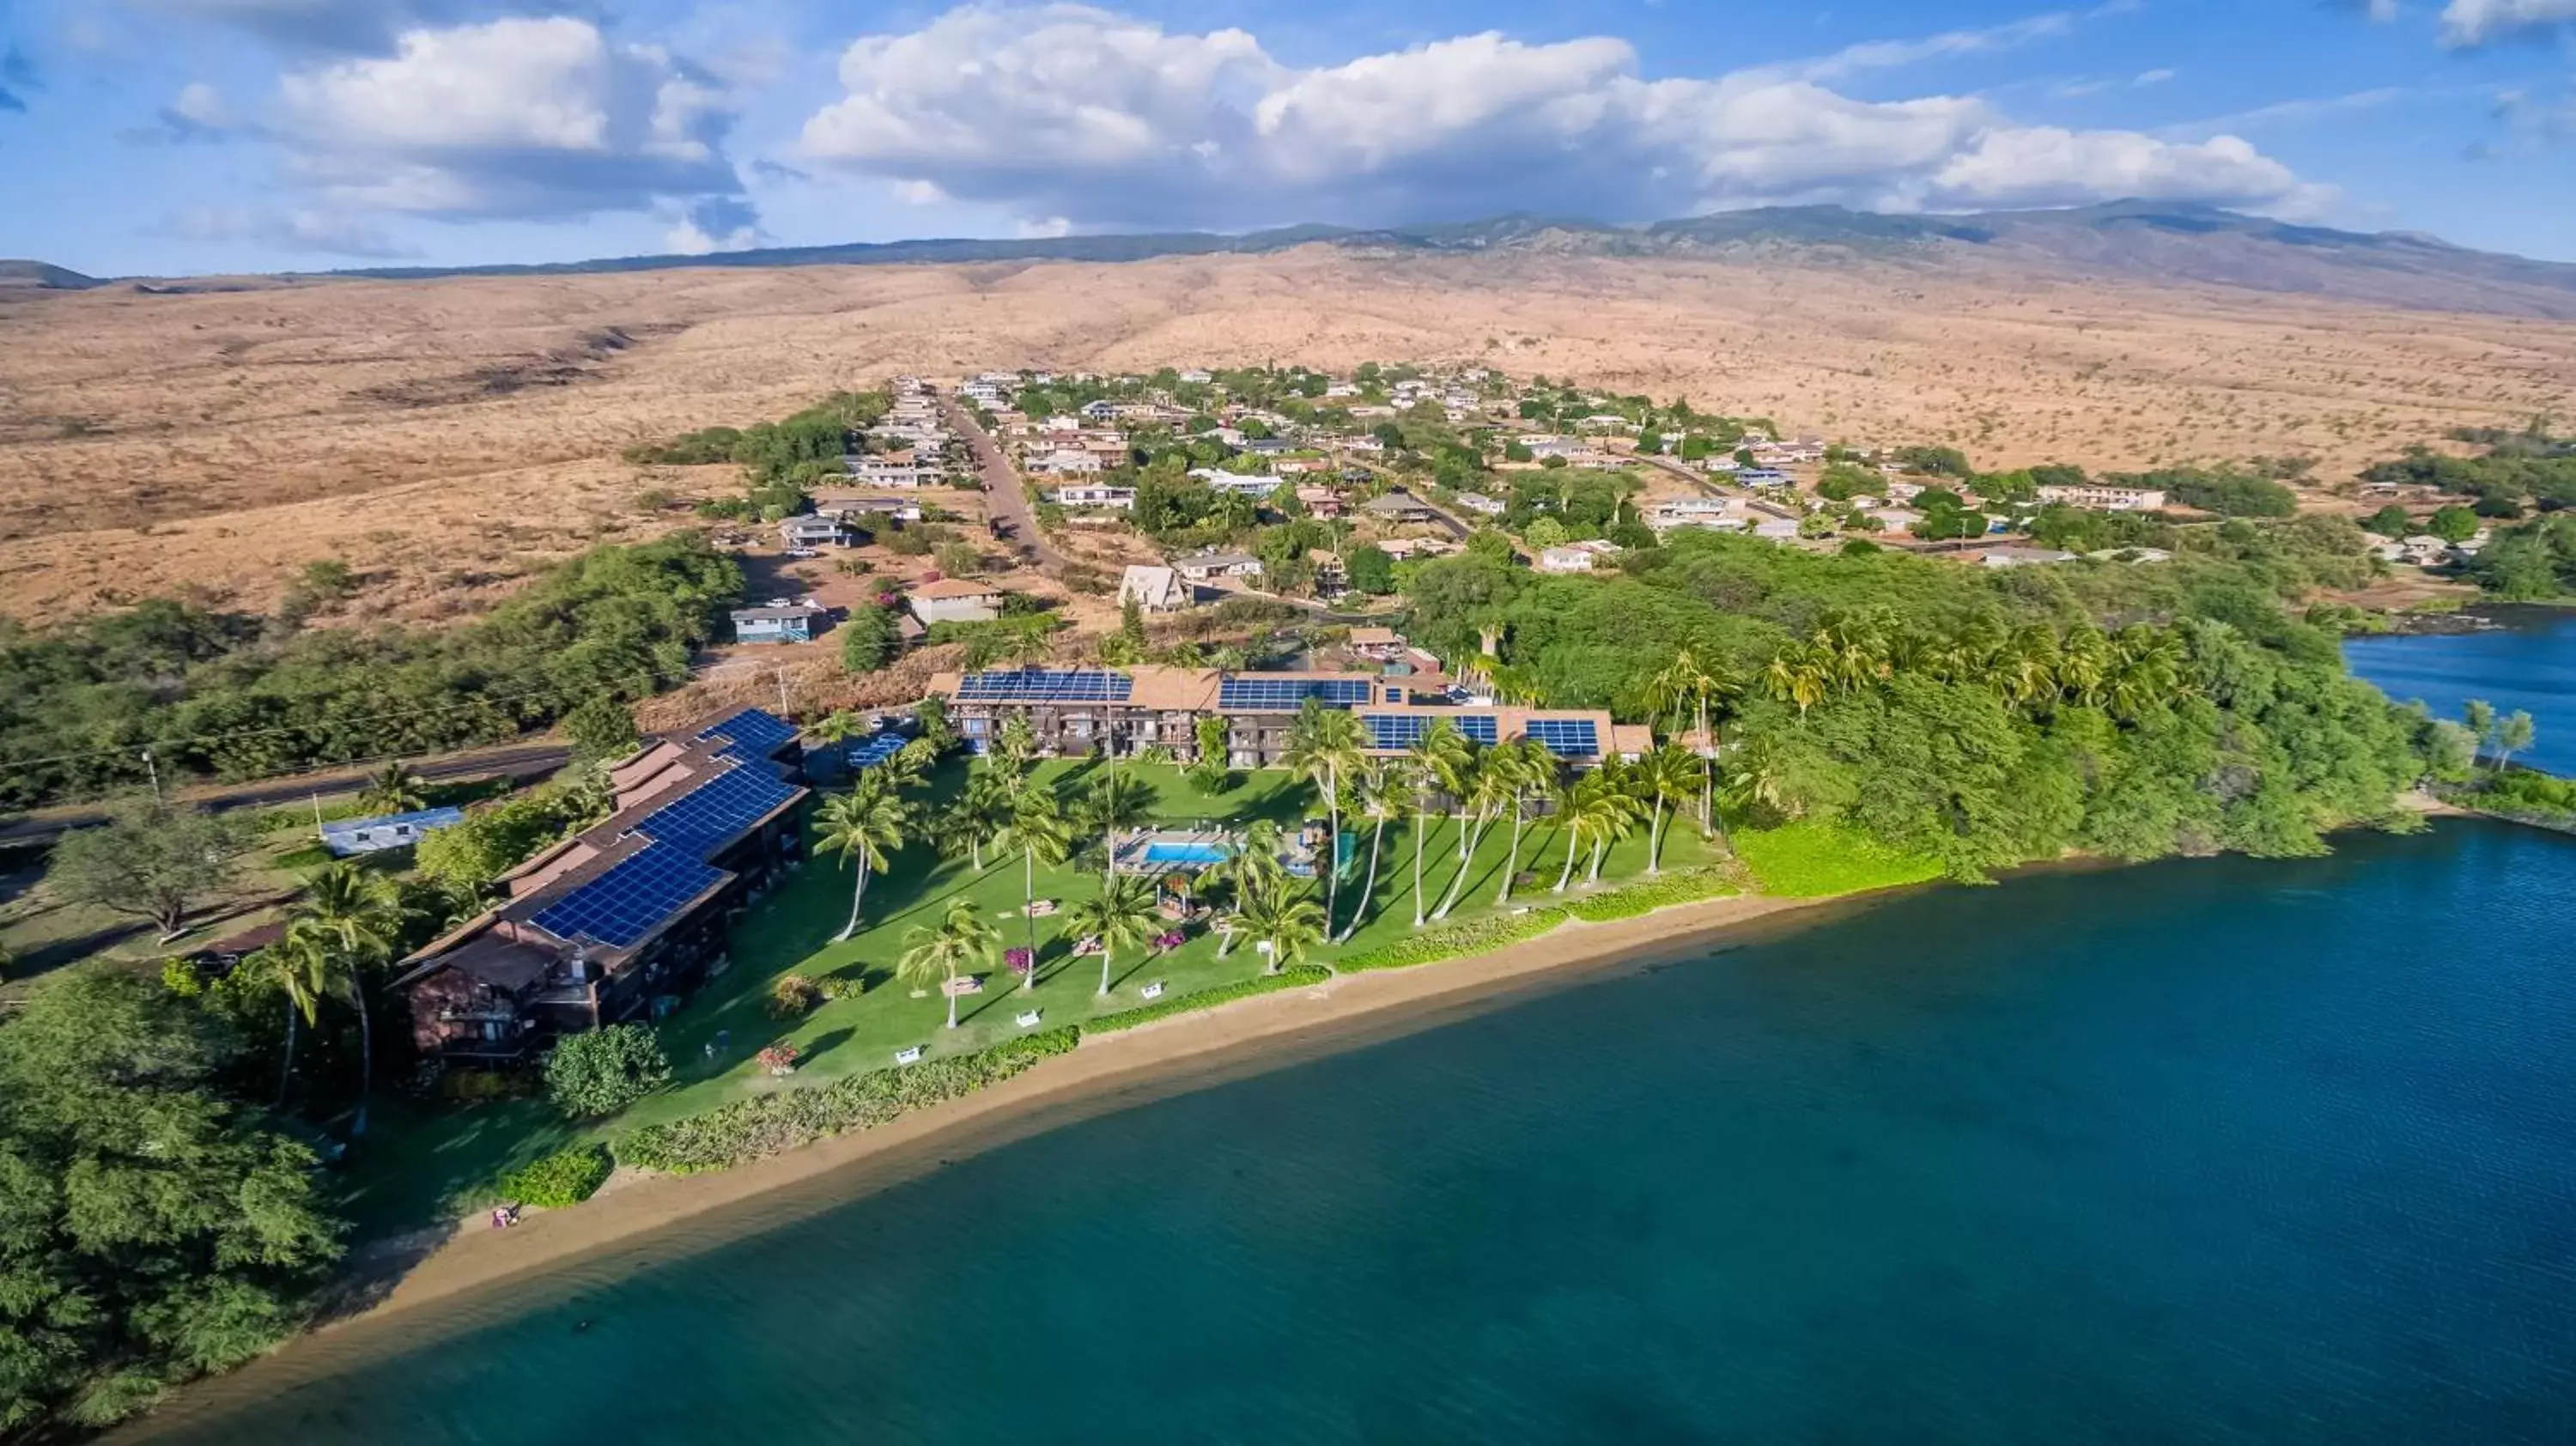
(1161, 852)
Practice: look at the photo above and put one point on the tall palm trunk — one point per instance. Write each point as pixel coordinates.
(951, 992)
(1104, 967)
(1332, 849)
(1600, 846)
(1473, 833)
(1511, 865)
(858, 896)
(1655, 839)
(366, 1051)
(287, 1071)
(1420, 820)
(1368, 885)
(1573, 840)
(1028, 902)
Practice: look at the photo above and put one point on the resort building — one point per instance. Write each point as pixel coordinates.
(624, 919)
(1119, 712)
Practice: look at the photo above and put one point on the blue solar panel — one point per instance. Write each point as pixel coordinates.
(870, 751)
(1045, 685)
(623, 905)
(1292, 693)
(753, 730)
(1403, 730)
(1567, 737)
(708, 816)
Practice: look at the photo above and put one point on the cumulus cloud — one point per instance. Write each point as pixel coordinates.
(199, 113)
(1093, 118)
(296, 230)
(522, 118)
(2479, 22)
(335, 27)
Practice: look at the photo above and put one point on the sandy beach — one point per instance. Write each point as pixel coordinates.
(1107, 1072)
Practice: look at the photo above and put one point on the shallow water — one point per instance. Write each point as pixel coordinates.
(2206, 1151)
(2529, 664)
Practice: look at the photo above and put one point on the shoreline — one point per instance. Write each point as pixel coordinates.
(643, 1219)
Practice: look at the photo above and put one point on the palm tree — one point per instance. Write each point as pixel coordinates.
(2027, 667)
(1015, 747)
(1532, 769)
(1380, 788)
(2084, 663)
(1115, 802)
(960, 941)
(909, 764)
(1120, 918)
(1440, 759)
(838, 726)
(969, 823)
(1665, 774)
(1036, 831)
(1323, 748)
(1688, 687)
(864, 825)
(1497, 785)
(1796, 674)
(1597, 809)
(350, 918)
(1290, 923)
(1252, 871)
(302, 973)
(394, 789)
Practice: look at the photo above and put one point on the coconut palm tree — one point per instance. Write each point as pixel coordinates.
(1440, 759)
(1015, 747)
(1597, 809)
(1796, 674)
(865, 825)
(1115, 802)
(1251, 871)
(955, 945)
(838, 726)
(969, 823)
(394, 789)
(1323, 748)
(1038, 833)
(1495, 785)
(301, 974)
(350, 918)
(1290, 923)
(1122, 917)
(1664, 775)
(1533, 770)
(1380, 792)
(1689, 688)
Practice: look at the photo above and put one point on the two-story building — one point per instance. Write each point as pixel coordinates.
(626, 918)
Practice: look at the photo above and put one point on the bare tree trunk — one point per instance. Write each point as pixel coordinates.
(1368, 886)
(1655, 839)
(366, 1051)
(1104, 966)
(1511, 865)
(1573, 839)
(1599, 847)
(1332, 850)
(1028, 904)
(1474, 834)
(287, 1072)
(858, 896)
(1419, 818)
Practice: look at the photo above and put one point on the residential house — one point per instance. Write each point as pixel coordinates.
(1568, 558)
(1479, 502)
(883, 472)
(1155, 589)
(623, 920)
(1320, 501)
(1404, 549)
(1210, 566)
(350, 837)
(1068, 462)
(1331, 577)
(819, 530)
(781, 622)
(860, 509)
(2015, 556)
(1400, 508)
(1717, 513)
(2106, 497)
(1242, 484)
(1094, 494)
(1384, 645)
(954, 600)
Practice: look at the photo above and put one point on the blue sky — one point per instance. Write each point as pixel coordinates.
(170, 136)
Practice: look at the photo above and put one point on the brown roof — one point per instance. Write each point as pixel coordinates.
(1375, 637)
(955, 587)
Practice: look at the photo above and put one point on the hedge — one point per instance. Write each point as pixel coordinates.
(767, 1124)
(566, 1177)
(1483, 936)
(1681, 886)
(1298, 977)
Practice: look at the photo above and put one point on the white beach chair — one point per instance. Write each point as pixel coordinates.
(908, 1054)
(1153, 990)
(1028, 1019)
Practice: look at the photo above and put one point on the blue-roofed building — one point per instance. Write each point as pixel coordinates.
(351, 837)
(623, 920)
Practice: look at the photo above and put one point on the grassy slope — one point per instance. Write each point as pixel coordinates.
(430, 1158)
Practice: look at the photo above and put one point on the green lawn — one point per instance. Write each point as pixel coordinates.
(1814, 859)
(429, 1159)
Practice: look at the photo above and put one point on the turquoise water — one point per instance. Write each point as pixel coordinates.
(2205, 1151)
(2530, 664)
(1184, 853)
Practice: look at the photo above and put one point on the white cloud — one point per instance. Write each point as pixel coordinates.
(295, 230)
(1065, 112)
(1889, 54)
(324, 26)
(2477, 22)
(531, 118)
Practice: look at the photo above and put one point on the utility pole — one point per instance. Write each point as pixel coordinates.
(155, 770)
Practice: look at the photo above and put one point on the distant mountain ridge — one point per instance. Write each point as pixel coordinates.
(44, 277)
(2138, 241)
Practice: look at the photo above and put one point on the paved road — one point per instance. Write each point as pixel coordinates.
(516, 760)
(1003, 493)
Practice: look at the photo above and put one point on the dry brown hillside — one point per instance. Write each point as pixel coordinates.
(444, 436)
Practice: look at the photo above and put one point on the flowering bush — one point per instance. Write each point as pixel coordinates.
(792, 995)
(779, 1058)
(1167, 942)
(1019, 961)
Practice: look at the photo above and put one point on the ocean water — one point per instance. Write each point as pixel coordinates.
(2529, 664)
(2203, 1151)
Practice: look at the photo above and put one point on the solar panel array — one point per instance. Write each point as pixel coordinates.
(758, 732)
(628, 902)
(1292, 693)
(1403, 730)
(711, 814)
(875, 749)
(1045, 685)
(1567, 737)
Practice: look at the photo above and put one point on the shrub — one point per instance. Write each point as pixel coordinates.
(1681, 886)
(606, 1070)
(1482, 936)
(1298, 977)
(793, 996)
(477, 1086)
(564, 1178)
(766, 1124)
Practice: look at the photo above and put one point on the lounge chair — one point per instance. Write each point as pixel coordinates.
(1152, 991)
(1028, 1019)
(908, 1054)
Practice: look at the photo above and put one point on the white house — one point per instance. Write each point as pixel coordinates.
(2106, 497)
(1094, 494)
(1243, 484)
(1209, 566)
(878, 472)
(1567, 559)
(955, 600)
(1479, 502)
(1155, 589)
(1069, 462)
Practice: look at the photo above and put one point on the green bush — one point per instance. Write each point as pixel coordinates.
(1681, 886)
(1298, 977)
(1812, 859)
(1480, 937)
(566, 1177)
(766, 1124)
(606, 1070)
